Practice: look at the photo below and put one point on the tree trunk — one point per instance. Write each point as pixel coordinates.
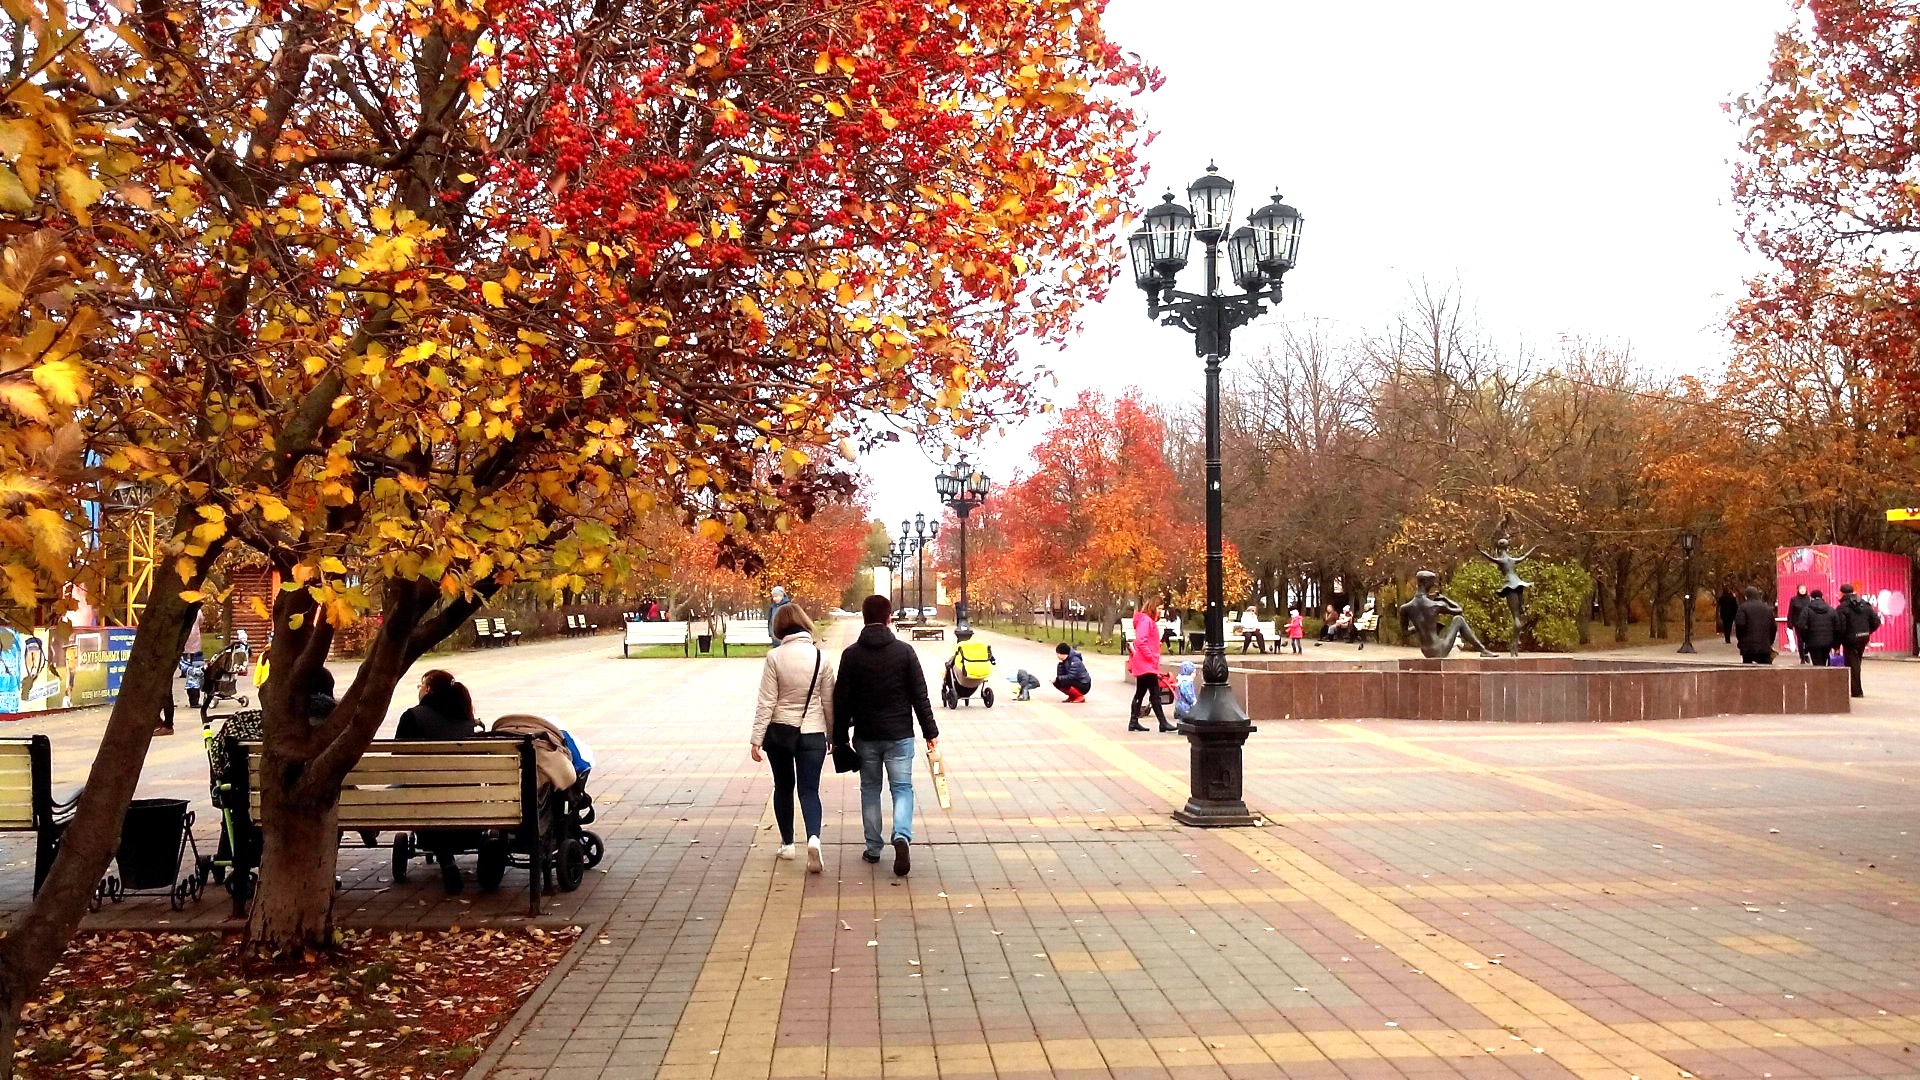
(1622, 598)
(293, 910)
(35, 943)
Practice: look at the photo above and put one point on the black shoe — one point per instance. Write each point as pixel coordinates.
(901, 861)
(1165, 727)
(1135, 725)
(450, 876)
(870, 856)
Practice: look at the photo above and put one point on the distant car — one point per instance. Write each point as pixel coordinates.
(840, 613)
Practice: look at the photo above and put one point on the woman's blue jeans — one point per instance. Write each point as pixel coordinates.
(801, 767)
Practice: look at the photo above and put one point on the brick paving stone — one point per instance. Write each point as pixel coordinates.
(1731, 896)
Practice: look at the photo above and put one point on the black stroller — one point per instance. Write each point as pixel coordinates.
(220, 679)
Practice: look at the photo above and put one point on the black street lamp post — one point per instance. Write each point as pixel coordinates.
(962, 488)
(1259, 254)
(915, 535)
(897, 559)
(1688, 542)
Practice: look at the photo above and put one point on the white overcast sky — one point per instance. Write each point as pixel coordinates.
(1567, 165)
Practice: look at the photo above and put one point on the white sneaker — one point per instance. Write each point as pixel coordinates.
(785, 852)
(814, 865)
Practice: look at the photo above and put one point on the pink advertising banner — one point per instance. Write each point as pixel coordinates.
(1884, 579)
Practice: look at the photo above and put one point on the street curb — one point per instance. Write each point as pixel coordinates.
(503, 1039)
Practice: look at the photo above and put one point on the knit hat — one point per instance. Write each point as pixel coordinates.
(1847, 589)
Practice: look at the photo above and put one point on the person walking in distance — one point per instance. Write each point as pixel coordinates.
(1795, 607)
(1143, 663)
(880, 689)
(1725, 608)
(1818, 630)
(1857, 621)
(790, 725)
(1753, 629)
(1296, 629)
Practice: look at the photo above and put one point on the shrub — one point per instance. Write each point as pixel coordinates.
(1559, 590)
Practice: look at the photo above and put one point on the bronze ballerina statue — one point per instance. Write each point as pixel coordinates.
(1513, 589)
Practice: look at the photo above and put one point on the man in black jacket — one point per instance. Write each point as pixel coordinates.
(877, 692)
(1753, 629)
(1857, 621)
(1818, 629)
(1795, 607)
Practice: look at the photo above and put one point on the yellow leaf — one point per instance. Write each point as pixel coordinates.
(193, 596)
(14, 197)
(61, 380)
(272, 509)
(211, 513)
(494, 293)
(821, 63)
(259, 608)
(78, 191)
(332, 565)
(712, 530)
(185, 568)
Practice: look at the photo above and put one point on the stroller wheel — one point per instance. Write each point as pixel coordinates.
(986, 696)
(203, 869)
(402, 854)
(572, 864)
(593, 848)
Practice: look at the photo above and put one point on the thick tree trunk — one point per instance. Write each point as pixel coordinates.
(293, 910)
(33, 946)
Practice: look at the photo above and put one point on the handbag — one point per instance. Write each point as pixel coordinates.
(786, 737)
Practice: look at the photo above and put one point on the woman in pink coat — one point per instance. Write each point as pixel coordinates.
(1144, 665)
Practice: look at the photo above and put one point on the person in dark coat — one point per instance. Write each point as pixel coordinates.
(1818, 629)
(1857, 621)
(1071, 677)
(444, 713)
(1794, 607)
(1753, 629)
(879, 691)
(1726, 607)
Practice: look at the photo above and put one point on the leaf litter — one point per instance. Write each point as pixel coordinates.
(168, 1006)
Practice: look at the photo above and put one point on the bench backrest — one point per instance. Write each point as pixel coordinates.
(18, 790)
(743, 631)
(656, 633)
(413, 784)
(481, 626)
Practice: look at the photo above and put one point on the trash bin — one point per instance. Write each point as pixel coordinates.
(704, 642)
(150, 842)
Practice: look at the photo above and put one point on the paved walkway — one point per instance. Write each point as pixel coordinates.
(1729, 897)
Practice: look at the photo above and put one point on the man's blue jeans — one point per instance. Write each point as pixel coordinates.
(896, 757)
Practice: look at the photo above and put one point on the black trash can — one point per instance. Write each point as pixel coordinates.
(150, 843)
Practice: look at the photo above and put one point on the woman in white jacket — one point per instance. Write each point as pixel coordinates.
(791, 722)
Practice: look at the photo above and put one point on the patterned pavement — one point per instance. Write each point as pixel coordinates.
(1731, 897)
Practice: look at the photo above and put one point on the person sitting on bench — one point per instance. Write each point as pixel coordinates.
(1249, 631)
(445, 713)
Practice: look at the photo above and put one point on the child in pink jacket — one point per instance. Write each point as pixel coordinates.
(1144, 665)
(1296, 629)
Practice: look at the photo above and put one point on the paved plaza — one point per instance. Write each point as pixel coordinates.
(1730, 898)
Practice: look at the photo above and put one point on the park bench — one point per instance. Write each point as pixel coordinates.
(1270, 638)
(747, 631)
(644, 634)
(399, 786)
(1124, 629)
(483, 633)
(578, 625)
(929, 633)
(1367, 623)
(505, 635)
(26, 798)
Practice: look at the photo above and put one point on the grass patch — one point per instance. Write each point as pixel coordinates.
(743, 651)
(1080, 637)
(387, 1004)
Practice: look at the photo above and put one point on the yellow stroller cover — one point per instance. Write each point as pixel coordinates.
(972, 663)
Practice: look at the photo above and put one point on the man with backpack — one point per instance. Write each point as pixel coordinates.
(1818, 630)
(879, 692)
(1857, 621)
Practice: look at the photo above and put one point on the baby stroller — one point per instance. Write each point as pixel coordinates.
(220, 679)
(239, 836)
(968, 669)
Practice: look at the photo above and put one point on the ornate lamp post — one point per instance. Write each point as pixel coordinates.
(917, 534)
(901, 555)
(1688, 542)
(962, 488)
(1259, 254)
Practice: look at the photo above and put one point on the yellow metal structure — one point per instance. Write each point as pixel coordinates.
(142, 545)
(1909, 516)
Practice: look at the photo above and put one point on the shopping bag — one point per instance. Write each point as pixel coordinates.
(939, 770)
(1838, 659)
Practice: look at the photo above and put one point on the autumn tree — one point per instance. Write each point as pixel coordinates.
(424, 301)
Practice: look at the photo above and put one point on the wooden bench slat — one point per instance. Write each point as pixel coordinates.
(422, 815)
(417, 795)
(441, 777)
(427, 764)
(16, 817)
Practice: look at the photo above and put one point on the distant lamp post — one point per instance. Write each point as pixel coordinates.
(894, 562)
(917, 534)
(1688, 542)
(1259, 256)
(962, 488)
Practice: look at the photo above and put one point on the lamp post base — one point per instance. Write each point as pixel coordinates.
(1216, 737)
